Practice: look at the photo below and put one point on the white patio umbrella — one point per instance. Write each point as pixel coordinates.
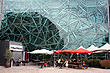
(105, 47)
(92, 48)
(43, 51)
(34, 52)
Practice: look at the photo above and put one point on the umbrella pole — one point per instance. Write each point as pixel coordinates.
(28, 57)
(96, 56)
(22, 55)
(92, 55)
(54, 59)
(77, 56)
(43, 57)
(37, 56)
(68, 56)
(81, 59)
(107, 56)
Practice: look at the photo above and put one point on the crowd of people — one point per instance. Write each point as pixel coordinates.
(17, 63)
(62, 63)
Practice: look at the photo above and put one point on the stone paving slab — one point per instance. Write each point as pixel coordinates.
(37, 69)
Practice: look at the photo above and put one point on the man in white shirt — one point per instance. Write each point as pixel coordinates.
(59, 60)
(59, 63)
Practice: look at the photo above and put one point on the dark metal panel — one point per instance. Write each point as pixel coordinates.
(3, 46)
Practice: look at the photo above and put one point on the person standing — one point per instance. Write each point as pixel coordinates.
(59, 62)
(66, 64)
(12, 61)
(63, 61)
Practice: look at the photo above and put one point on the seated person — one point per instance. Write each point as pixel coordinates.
(74, 60)
(12, 59)
(69, 60)
(84, 65)
(19, 61)
(45, 64)
(78, 60)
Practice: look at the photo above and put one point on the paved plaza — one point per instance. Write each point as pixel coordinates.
(37, 69)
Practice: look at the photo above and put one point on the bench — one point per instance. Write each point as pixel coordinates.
(73, 66)
(76, 66)
(24, 62)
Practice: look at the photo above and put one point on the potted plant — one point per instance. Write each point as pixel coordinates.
(7, 56)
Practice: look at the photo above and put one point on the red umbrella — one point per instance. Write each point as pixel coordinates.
(67, 51)
(81, 50)
(58, 52)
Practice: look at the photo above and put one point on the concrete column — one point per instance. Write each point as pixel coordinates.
(1, 10)
(108, 19)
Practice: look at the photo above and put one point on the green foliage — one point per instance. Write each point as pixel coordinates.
(85, 59)
(7, 54)
(97, 63)
(105, 63)
(94, 63)
(90, 62)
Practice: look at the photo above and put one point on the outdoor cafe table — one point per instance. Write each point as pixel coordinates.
(41, 64)
(78, 63)
(36, 61)
(24, 62)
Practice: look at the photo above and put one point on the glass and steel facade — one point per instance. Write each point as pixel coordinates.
(55, 24)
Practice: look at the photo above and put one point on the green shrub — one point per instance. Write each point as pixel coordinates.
(90, 62)
(105, 63)
(94, 63)
(7, 54)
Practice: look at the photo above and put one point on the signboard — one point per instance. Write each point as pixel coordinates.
(16, 47)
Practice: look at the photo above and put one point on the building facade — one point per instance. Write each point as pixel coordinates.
(55, 24)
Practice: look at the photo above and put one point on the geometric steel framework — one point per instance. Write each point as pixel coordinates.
(32, 29)
(78, 22)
